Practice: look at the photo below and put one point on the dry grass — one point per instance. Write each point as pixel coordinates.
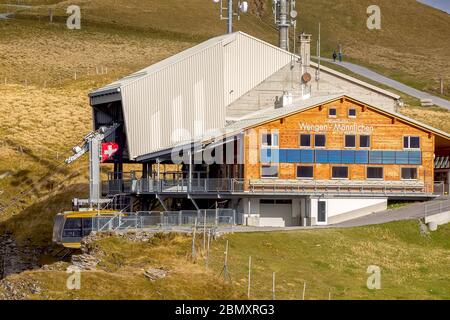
(120, 274)
(40, 125)
(436, 117)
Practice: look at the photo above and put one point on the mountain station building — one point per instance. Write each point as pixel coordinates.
(238, 123)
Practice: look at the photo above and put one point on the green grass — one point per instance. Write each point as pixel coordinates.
(336, 260)
(330, 261)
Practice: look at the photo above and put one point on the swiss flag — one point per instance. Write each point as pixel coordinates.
(108, 150)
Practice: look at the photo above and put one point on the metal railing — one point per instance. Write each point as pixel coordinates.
(164, 220)
(441, 188)
(435, 207)
(142, 186)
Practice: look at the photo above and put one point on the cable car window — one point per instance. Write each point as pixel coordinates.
(87, 226)
(72, 228)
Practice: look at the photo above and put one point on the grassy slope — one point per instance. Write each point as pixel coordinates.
(412, 45)
(329, 261)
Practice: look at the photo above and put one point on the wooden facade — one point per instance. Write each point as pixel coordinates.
(385, 130)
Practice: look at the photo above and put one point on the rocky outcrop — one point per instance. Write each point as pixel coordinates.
(85, 261)
(15, 258)
(154, 274)
(18, 289)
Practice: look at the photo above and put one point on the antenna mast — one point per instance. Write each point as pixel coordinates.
(285, 16)
(318, 59)
(242, 8)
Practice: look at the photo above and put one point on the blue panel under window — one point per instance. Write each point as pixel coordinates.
(376, 157)
(270, 155)
(415, 157)
(362, 157)
(307, 156)
(348, 156)
(388, 157)
(282, 155)
(401, 157)
(321, 156)
(335, 156)
(292, 156)
(265, 155)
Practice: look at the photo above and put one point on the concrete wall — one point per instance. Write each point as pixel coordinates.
(342, 209)
(338, 210)
(251, 209)
(287, 79)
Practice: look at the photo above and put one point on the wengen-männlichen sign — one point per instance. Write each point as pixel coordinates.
(337, 127)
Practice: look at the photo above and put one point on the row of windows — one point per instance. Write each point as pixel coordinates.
(271, 140)
(351, 112)
(307, 172)
(340, 156)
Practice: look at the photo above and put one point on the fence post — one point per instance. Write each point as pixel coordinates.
(273, 286)
(204, 231)
(180, 218)
(304, 291)
(217, 215)
(249, 276)
(207, 251)
(225, 271)
(193, 241)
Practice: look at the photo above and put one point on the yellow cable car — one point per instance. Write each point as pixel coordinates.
(70, 227)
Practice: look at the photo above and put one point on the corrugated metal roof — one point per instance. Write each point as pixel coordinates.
(225, 39)
(164, 63)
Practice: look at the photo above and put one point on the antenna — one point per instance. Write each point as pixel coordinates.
(318, 59)
(242, 7)
(285, 16)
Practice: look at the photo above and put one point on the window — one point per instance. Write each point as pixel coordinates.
(305, 172)
(72, 228)
(352, 113)
(350, 141)
(332, 112)
(305, 140)
(339, 173)
(268, 171)
(411, 142)
(269, 140)
(374, 172)
(319, 140)
(364, 141)
(409, 173)
(272, 201)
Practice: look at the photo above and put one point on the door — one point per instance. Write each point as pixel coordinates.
(321, 212)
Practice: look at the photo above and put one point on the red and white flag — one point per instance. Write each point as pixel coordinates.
(108, 150)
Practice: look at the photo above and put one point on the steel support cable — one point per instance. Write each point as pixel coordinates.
(44, 178)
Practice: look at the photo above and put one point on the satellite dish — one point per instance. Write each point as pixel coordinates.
(216, 1)
(294, 14)
(243, 7)
(306, 77)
